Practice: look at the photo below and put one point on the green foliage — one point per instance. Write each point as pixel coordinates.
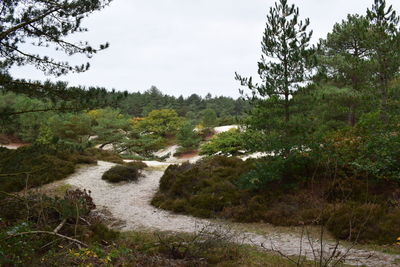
(226, 143)
(143, 144)
(164, 123)
(287, 171)
(122, 173)
(209, 118)
(203, 189)
(37, 165)
(187, 137)
(345, 61)
(104, 155)
(286, 41)
(369, 223)
(71, 129)
(47, 24)
(140, 165)
(110, 126)
(384, 44)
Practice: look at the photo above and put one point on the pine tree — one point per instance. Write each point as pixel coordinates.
(384, 43)
(44, 23)
(282, 69)
(187, 137)
(345, 59)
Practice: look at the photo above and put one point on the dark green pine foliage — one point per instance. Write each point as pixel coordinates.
(187, 138)
(44, 23)
(344, 61)
(384, 43)
(26, 25)
(282, 69)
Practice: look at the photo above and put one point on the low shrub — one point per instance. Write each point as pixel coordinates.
(121, 173)
(364, 223)
(202, 189)
(34, 166)
(226, 143)
(105, 155)
(137, 164)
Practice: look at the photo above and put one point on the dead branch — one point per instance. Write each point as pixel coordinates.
(58, 228)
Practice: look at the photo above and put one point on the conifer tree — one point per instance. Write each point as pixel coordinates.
(345, 59)
(44, 23)
(282, 68)
(384, 43)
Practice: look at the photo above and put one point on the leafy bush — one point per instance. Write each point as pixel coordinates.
(121, 173)
(226, 143)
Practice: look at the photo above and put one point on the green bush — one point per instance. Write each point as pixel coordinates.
(364, 223)
(137, 164)
(288, 171)
(105, 155)
(226, 143)
(202, 189)
(36, 165)
(121, 173)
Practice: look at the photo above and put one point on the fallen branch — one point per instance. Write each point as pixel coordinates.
(49, 233)
(58, 228)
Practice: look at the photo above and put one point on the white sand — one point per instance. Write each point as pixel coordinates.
(226, 128)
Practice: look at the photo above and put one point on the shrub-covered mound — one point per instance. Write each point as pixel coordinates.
(285, 190)
(203, 189)
(36, 165)
(122, 173)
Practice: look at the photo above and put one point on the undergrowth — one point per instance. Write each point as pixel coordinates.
(294, 191)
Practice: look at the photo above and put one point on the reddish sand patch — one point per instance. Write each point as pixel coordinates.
(188, 155)
(11, 142)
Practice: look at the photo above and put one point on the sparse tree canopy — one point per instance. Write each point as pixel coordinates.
(44, 23)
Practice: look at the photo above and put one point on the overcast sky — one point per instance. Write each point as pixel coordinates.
(186, 46)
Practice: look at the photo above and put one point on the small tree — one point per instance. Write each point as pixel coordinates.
(282, 68)
(73, 129)
(226, 143)
(187, 137)
(164, 122)
(209, 118)
(110, 126)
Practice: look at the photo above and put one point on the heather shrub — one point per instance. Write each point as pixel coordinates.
(203, 189)
(121, 173)
(137, 164)
(364, 223)
(34, 166)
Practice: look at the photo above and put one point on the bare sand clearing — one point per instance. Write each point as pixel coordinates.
(130, 202)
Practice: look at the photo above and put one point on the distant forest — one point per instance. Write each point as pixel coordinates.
(140, 104)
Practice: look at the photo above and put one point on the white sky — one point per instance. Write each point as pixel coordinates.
(186, 46)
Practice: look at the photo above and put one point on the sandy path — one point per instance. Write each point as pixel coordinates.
(130, 202)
